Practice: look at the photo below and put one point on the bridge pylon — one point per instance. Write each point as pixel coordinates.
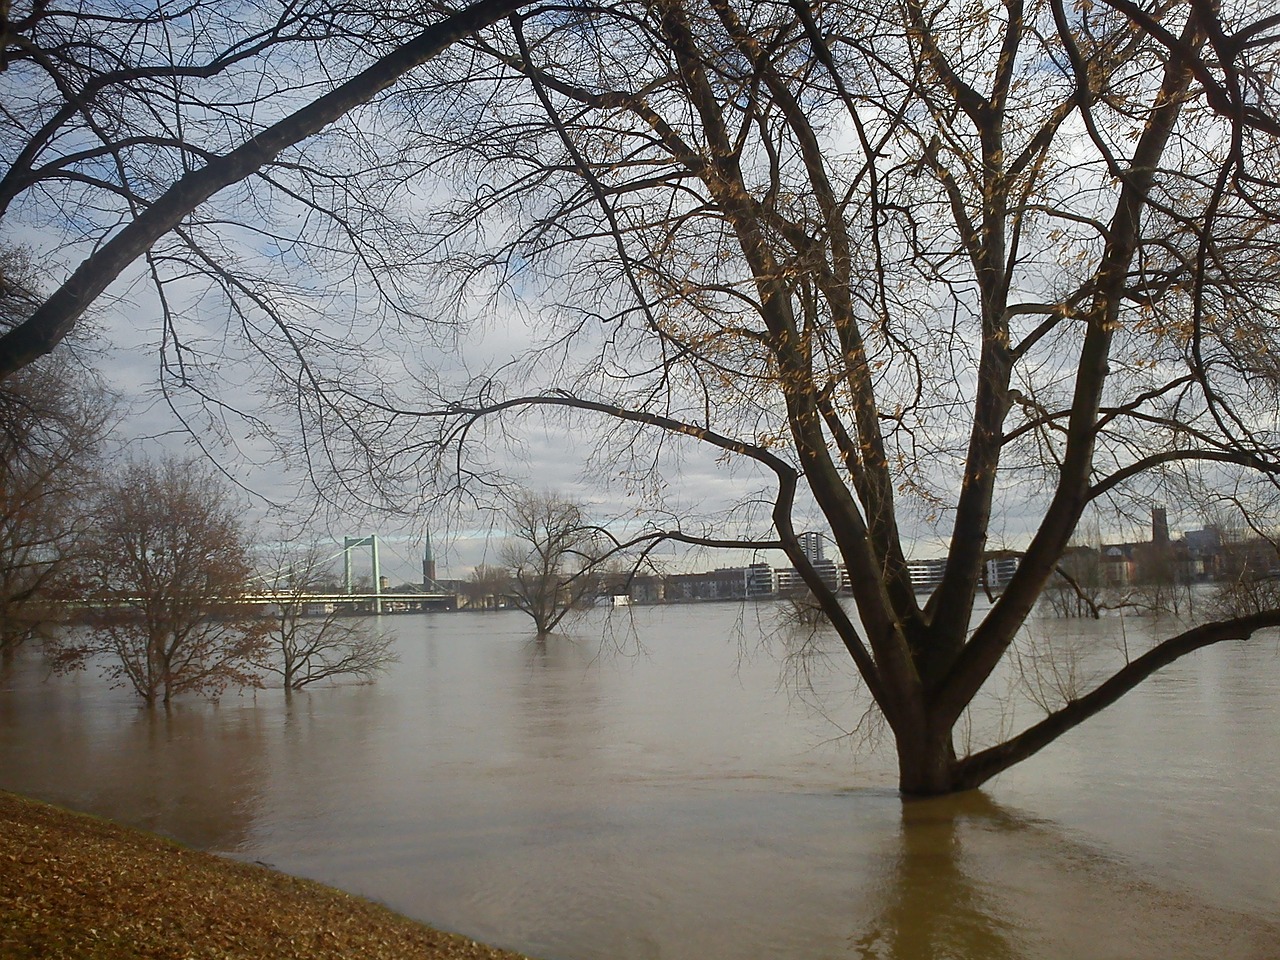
(351, 543)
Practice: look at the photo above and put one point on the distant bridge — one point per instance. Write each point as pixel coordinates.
(354, 601)
(359, 603)
(381, 600)
(309, 604)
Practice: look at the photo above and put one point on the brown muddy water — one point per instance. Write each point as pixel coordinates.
(582, 799)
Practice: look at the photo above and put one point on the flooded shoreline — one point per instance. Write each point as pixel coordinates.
(573, 800)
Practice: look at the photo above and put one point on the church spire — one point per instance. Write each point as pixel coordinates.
(428, 566)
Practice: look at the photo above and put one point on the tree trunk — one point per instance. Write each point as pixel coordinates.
(926, 763)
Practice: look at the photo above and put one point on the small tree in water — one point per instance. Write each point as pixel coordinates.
(305, 646)
(549, 554)
(166, 569)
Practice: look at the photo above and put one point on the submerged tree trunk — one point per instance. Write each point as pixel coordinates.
(927, 763)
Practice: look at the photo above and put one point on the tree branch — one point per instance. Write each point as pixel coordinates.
(980, 767)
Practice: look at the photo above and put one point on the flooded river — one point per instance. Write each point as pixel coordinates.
(698, 798)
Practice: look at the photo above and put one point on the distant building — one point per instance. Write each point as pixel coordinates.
(829, 571)
(428, 565)
(1204, 554)
(1119, 564)
(1254, 558)
(1000, 570)
(730, 583)
(760, 581)
(1154, 560)
(1202, 543)
(1159, 525)
(813, 546)
(926, 575)
(726, 583)
(846, 583)
(648, 588)
(787, 580)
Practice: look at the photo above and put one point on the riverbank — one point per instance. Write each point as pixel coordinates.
(73, 886)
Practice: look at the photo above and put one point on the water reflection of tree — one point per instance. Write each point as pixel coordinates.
(330, 737)
(194, 771)
(934, 908)
(559, 699)
(199, 776)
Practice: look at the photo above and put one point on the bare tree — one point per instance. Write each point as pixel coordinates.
(1162, 583)
(53, 415)
(1248, 568)
(308, 644)
(1247, 593)
(549, 553)
(913, 263)
(1077, 586)
(166, 569)
(52, 433)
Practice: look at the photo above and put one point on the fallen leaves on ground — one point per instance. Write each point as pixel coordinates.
(73, 886)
